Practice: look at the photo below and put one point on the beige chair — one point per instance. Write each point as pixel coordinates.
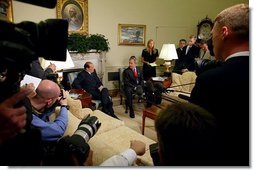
(71, 77)
(183, 83)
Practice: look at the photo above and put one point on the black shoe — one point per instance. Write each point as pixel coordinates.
(132, 114)
(114, 116)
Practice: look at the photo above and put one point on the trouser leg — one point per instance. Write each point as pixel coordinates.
(107, 103)
(128, 94)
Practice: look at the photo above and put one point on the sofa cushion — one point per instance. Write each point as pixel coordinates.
(107, 122)
(113, 142)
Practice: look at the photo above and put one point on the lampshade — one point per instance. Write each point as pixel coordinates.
(168, 52)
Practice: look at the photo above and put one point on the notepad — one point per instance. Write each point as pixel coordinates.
(153, 64)
(30, 79)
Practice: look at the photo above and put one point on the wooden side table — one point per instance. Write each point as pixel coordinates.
(150, 112)
(83, 96)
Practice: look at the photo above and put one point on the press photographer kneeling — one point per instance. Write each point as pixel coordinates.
(20, 44)
(57, 149)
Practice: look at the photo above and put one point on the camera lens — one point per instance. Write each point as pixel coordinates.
(88, 128)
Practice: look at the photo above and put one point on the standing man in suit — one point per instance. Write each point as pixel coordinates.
(90, 82)
(133, 82)
(215, 88)
(180, 53)
(191, 51)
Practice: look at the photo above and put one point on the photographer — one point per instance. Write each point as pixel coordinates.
(48, 96)
(127, 157)
(37, 70)
(12, 119)
(17, 136)
(186, 136)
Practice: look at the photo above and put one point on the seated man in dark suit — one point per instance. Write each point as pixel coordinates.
(90, 82)
(133, 82)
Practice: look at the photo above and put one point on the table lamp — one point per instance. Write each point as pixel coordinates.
(168, 53)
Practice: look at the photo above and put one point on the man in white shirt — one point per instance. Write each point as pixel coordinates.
(125, 158)
(128, 157)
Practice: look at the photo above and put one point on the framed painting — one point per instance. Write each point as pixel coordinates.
(131, 34)
(6, 13)
(76, 13)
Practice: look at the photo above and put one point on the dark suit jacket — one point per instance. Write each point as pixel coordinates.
(129, 79)
(88, 82)
(224, 91)
(37, 70)
(179, 63)
(189, 58)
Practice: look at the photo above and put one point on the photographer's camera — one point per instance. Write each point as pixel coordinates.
(76, 145)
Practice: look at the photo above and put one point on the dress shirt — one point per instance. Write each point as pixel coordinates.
(126, 158)
(51, 131)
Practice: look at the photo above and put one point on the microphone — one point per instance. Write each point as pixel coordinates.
(182, 85)
(42, 3)
(184, 97)
(149, 86)
(159, 86)
(173, 90)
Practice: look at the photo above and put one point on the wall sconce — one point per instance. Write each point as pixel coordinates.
(168, 53)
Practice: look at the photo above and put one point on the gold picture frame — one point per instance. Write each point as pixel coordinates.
(76, 13)
(6, 10)
(131, 34)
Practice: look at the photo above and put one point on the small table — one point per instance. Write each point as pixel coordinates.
(150, 112)
(83, 96)
(166, 81)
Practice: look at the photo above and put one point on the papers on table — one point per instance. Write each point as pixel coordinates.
(159, 78)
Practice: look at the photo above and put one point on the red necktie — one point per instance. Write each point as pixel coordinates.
(135, 73)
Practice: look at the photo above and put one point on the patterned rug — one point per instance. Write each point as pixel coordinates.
(136, 123)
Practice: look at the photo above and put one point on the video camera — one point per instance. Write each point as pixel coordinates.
(153, 91)
(20, 44)
(24, 42)
(202, 65)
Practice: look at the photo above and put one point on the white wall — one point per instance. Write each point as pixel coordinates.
(166, 21)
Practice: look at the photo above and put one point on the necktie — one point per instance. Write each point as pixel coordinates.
(187, 49)
(135, 73)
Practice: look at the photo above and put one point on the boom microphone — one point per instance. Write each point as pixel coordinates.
(42, 3)
(184, 97)
(182, 85)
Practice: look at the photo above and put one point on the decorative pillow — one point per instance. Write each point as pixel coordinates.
(76, 109)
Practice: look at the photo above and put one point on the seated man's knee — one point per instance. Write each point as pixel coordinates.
(128, 91)
(139, 90)
(104, 91)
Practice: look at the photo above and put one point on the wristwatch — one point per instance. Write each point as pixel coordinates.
(67, 107)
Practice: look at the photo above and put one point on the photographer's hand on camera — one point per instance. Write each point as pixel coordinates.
(13, 119)
(63, 98)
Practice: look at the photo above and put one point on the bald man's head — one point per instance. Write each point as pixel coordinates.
(48, 89)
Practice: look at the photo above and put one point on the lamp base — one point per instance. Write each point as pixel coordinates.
(167, 74)
(167, 64)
